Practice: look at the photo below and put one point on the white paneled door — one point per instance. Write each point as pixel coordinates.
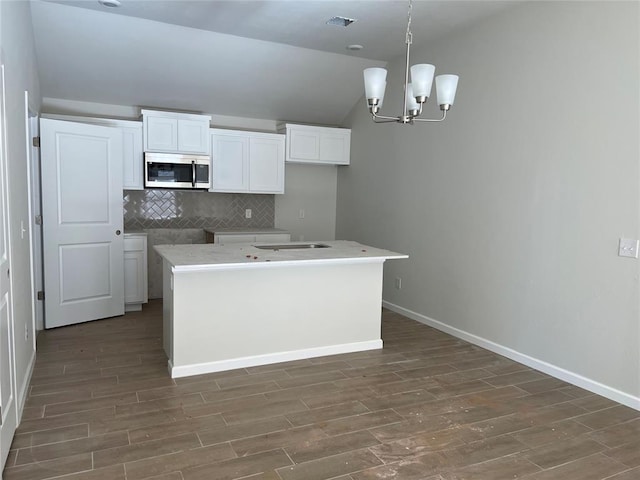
(8, 407)
(82, 222)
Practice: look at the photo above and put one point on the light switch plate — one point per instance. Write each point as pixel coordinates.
(628, 247)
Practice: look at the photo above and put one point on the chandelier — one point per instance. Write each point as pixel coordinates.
(416, 93)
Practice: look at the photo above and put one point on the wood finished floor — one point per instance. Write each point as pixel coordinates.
(426, 407)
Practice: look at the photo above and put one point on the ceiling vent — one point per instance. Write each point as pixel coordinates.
(341, 21)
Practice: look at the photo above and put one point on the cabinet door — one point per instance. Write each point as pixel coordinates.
(161, 134)
(266, 165)
(135, 269)
(303, 144)
(230, 159)
(334, 148)
(133, 281)
(133, 159)
(193, 136)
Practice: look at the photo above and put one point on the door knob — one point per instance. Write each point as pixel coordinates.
(118, 232)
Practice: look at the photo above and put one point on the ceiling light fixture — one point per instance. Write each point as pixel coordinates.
(109, 3)
(415, 93)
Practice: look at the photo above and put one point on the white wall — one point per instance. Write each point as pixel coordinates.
(511, 210)
(16, 42)
(312, 189)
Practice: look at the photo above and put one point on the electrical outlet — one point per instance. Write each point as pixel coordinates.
(398, 283)
(301, 213)
(628, 248)
(247, 213)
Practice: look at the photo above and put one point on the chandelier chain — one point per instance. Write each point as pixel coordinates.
(409, 35)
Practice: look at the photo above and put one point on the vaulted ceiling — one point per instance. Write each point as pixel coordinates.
(268, 59)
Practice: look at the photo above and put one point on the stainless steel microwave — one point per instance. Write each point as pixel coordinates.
(176, 170)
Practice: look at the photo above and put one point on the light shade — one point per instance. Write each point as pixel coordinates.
(446, 86)
(422, 79)
(384, 88)
(411, 101)
(380, 100)
(375, 81)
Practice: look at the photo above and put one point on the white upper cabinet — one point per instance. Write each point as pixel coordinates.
(132, 177)
(247, 162)
(230, 161)
(172, 132)
(160, 134)
(266, 164)
(310, 144)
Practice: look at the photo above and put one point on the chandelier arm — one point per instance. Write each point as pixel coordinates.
(384, 117)
(444, 115)
(391, 120)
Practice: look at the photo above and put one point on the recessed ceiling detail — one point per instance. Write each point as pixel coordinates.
(341, 21)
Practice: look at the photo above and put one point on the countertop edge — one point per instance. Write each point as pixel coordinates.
(283, 263)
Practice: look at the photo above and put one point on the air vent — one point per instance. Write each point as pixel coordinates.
(341, 21)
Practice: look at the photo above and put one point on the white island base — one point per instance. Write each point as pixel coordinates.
(225, 316)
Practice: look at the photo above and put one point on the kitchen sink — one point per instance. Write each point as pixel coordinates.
(292, 246)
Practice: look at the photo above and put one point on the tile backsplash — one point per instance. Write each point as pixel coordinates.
(178, 217)
(159, 208)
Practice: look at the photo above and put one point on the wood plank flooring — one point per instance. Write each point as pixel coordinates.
(426, 407)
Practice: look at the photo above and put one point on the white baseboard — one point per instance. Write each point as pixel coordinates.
(23, 390)
(548, 368)
(267, 359)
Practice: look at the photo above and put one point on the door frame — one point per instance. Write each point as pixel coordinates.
(7, 429)
(34, 192)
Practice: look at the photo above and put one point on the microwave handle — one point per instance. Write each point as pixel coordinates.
(193, 174)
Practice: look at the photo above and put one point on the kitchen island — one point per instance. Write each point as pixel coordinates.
(241, 305)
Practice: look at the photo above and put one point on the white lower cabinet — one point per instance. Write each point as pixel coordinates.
(135, 271)
(247, 162)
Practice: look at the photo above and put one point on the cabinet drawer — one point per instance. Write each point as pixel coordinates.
(133, 244)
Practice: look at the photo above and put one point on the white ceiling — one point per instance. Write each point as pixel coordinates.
(260, 59)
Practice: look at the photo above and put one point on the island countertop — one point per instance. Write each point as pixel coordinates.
(244, 255)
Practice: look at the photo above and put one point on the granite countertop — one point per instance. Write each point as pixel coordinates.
(241, 230)
(244, 255)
